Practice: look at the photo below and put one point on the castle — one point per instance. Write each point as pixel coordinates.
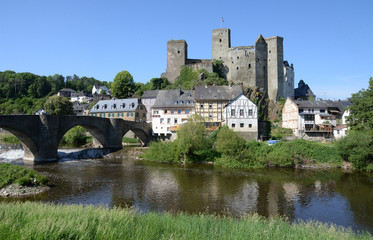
(261, 65)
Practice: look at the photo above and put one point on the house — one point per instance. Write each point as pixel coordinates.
(82, 97)
(171, 108)
(98, 89)
(241, 115)
(340, 131)
(303, 92)
(148, 99)
(67, 92)
(81, 109)
(128, 109)
(311, 119)
(210, 102)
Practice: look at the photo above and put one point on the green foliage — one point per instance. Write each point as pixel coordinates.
(192, 140)
(361, 111)
(123, 85)
(10, 139)
(130, 140)
(300, 151)
(16, 174)
(162, 152)
(18, 221)
(57, 105)
(357, 148)
(279, 133)
(75, 137)
(187, 79)
(228, 142)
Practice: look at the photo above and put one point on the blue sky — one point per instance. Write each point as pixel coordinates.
(329, 42)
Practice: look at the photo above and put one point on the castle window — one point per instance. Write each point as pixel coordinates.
(241, 125)
(269, 51)
(219, 57)
(178, 51)
(237, 68)
(257, 59)
(264, 67)
(238, 57)
(219, 40)
(249, 65)
(235, 49)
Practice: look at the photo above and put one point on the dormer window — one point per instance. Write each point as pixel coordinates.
(123, 105)
(133, 105)
(104, 107)
(97, 106)
(114, 106)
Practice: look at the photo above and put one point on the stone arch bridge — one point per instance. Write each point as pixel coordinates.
(41, 134)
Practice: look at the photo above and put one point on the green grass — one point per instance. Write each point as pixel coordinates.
(16, 174)
(46, 221)
(10, 139)
(129, 140)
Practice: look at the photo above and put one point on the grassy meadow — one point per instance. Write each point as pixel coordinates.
(48, 221)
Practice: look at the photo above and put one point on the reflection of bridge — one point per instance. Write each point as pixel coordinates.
(41, 135)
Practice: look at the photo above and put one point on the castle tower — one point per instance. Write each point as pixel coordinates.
(221, 42)
(275, 67)
(177, 54)
(261, 68)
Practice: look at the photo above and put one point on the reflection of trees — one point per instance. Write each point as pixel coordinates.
(358, 189)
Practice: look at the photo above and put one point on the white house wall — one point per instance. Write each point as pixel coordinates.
(245, 118)
(290, 116)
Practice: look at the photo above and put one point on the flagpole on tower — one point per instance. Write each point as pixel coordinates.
(221, 23)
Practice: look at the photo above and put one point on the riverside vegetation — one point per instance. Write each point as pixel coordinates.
(12, 174)
(226, 148)
(47, 221)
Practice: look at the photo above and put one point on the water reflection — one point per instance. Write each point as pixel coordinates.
(330, 196)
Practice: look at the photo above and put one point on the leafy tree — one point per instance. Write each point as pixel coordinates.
(57, 105)
(357, 148)
(123, 85)
(75, 136)
(228, 142)
(191, 139)
(361, 111)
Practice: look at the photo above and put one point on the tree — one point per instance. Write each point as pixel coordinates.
(361, 111)
(229, 142)
(57, 105)
(123, 85)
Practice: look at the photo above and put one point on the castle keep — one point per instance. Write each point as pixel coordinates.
(261, 65)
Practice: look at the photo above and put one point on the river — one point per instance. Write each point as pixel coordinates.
(330, 196)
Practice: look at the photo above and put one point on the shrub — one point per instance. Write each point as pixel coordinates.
(357, 148)
(75, 137)
(162, 152)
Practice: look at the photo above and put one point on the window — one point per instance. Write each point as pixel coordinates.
(143, 114)
(241, 112)
(187, 111)
(322, 110)
(300, 110)
(241, 125)
(172, 111)
(128, 114)
(249, 65)
(165, 111)
(137, 114)
(233, 112)
(118, 114)
(210, 115)
(175, 120)
(233, 125)
(210, 106)
(114, 106)
(162, 120)
(250, 112)
(179, 111)
(219, 105)
(156, 112)
(250, 125)
(201, 106)
(168, 129)
(168, 120)
(132, 114)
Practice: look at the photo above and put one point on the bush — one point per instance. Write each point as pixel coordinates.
(279, 133)
(357, 148)
(16, 174)
(75, 137)
(162, 152)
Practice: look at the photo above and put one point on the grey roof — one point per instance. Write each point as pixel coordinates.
(174, 98)
(150, 94)
(67, 90)
(117, 105)
(341, 105)
(217, 92)
(303, 90)
(80, 106)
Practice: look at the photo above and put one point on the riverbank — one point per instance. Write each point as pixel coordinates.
(47, 221)
(18, 181)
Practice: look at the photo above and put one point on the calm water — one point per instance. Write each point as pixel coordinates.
(334, 196)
